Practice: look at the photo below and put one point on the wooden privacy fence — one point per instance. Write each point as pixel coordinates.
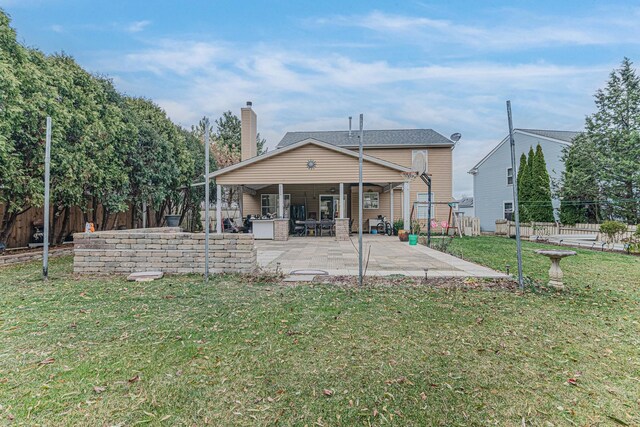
(508, 228)
(23, 229)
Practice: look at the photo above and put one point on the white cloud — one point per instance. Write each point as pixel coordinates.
(57, 28)
(137, 26)
(511, 34)
(296, 89)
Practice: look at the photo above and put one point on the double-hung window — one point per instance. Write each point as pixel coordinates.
(508, 210)
(423, 206)
(371, 200)
(509, 176)
(269, 204)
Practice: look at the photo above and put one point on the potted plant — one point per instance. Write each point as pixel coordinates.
(398, 224)
(415, 231)
(403, 235)
(172, 220)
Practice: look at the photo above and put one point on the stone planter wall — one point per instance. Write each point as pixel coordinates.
(10, 258)
(162, 249)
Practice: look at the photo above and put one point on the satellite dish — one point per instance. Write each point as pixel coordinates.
(455, 137)
(419, 163)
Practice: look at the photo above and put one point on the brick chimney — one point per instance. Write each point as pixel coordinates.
(249, 147)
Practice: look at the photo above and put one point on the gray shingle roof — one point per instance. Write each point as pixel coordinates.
(562, 135)
(465, 202)
(372, 138)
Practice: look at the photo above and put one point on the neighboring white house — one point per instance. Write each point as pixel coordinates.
(493, 176)
(465, 206)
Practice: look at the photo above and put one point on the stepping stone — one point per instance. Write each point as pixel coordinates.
(299, 278)
(145, 276)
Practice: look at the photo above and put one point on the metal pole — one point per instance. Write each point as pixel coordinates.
(360, 197)
(206, 200)
(47, 161)
(515, 196)
(429, 212)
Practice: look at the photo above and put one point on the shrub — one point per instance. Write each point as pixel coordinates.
(415, 227)
(613, 230)
(398, 224)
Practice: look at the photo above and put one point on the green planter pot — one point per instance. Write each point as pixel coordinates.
(413, 239)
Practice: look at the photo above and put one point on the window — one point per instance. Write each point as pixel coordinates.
(422, 212)
(508, 210)
(270, 202)
(509, 176)
(371, 200)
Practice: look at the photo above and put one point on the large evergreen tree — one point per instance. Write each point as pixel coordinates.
(540, 208)
(611, 144)
(523, 189)
(108, 151)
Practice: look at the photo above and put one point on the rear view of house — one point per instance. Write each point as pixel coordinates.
(314, 175)
(493, 177)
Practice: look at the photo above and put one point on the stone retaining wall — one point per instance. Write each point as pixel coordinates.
(162, 249)
(10, 258)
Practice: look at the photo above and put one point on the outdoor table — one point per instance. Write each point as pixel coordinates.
(555, 273)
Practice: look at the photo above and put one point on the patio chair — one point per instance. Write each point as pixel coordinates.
(326, 226)
(298, 228)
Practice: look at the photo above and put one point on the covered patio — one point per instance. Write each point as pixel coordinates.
(384, 256)
(311, 181)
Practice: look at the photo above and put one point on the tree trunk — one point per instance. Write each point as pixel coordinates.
(94, 213)
(8, 221)
(105, 218)
(65, 224)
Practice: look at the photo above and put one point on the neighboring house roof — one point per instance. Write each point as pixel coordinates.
(563, 137)
(560, 135)
(372, 138)
(293, 146)
(465, 202)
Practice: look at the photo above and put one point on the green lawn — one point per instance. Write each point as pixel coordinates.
(102, 351)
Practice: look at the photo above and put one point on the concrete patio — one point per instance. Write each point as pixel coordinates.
(386, 256)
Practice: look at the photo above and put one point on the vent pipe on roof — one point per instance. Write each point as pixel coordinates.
(349, 126)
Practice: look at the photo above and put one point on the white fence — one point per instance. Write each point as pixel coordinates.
(508, 228)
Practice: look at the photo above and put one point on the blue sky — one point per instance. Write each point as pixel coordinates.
(308, 65)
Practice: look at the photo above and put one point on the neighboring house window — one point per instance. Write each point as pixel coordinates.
(508, 210)
(371, 200)
(270, 204)
(509, 176)
(422, 212)
(420, 153)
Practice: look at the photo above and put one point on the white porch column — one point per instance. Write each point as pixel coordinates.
(280, 201)
(391, 213)
(218, 209)
(406, 198)
(341, 200)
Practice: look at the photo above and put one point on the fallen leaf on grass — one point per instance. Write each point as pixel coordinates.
(423, 396)
(375, 412)
(572, 381)
(169, 296)
(134, 379)
(327, 392)
(47, 361)
(98, 389)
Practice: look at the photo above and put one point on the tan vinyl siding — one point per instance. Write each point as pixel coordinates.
(439, 166)
(332, 167)
(291, 168)
(384, 210)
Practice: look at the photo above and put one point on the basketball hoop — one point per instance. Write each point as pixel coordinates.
(409, 176)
